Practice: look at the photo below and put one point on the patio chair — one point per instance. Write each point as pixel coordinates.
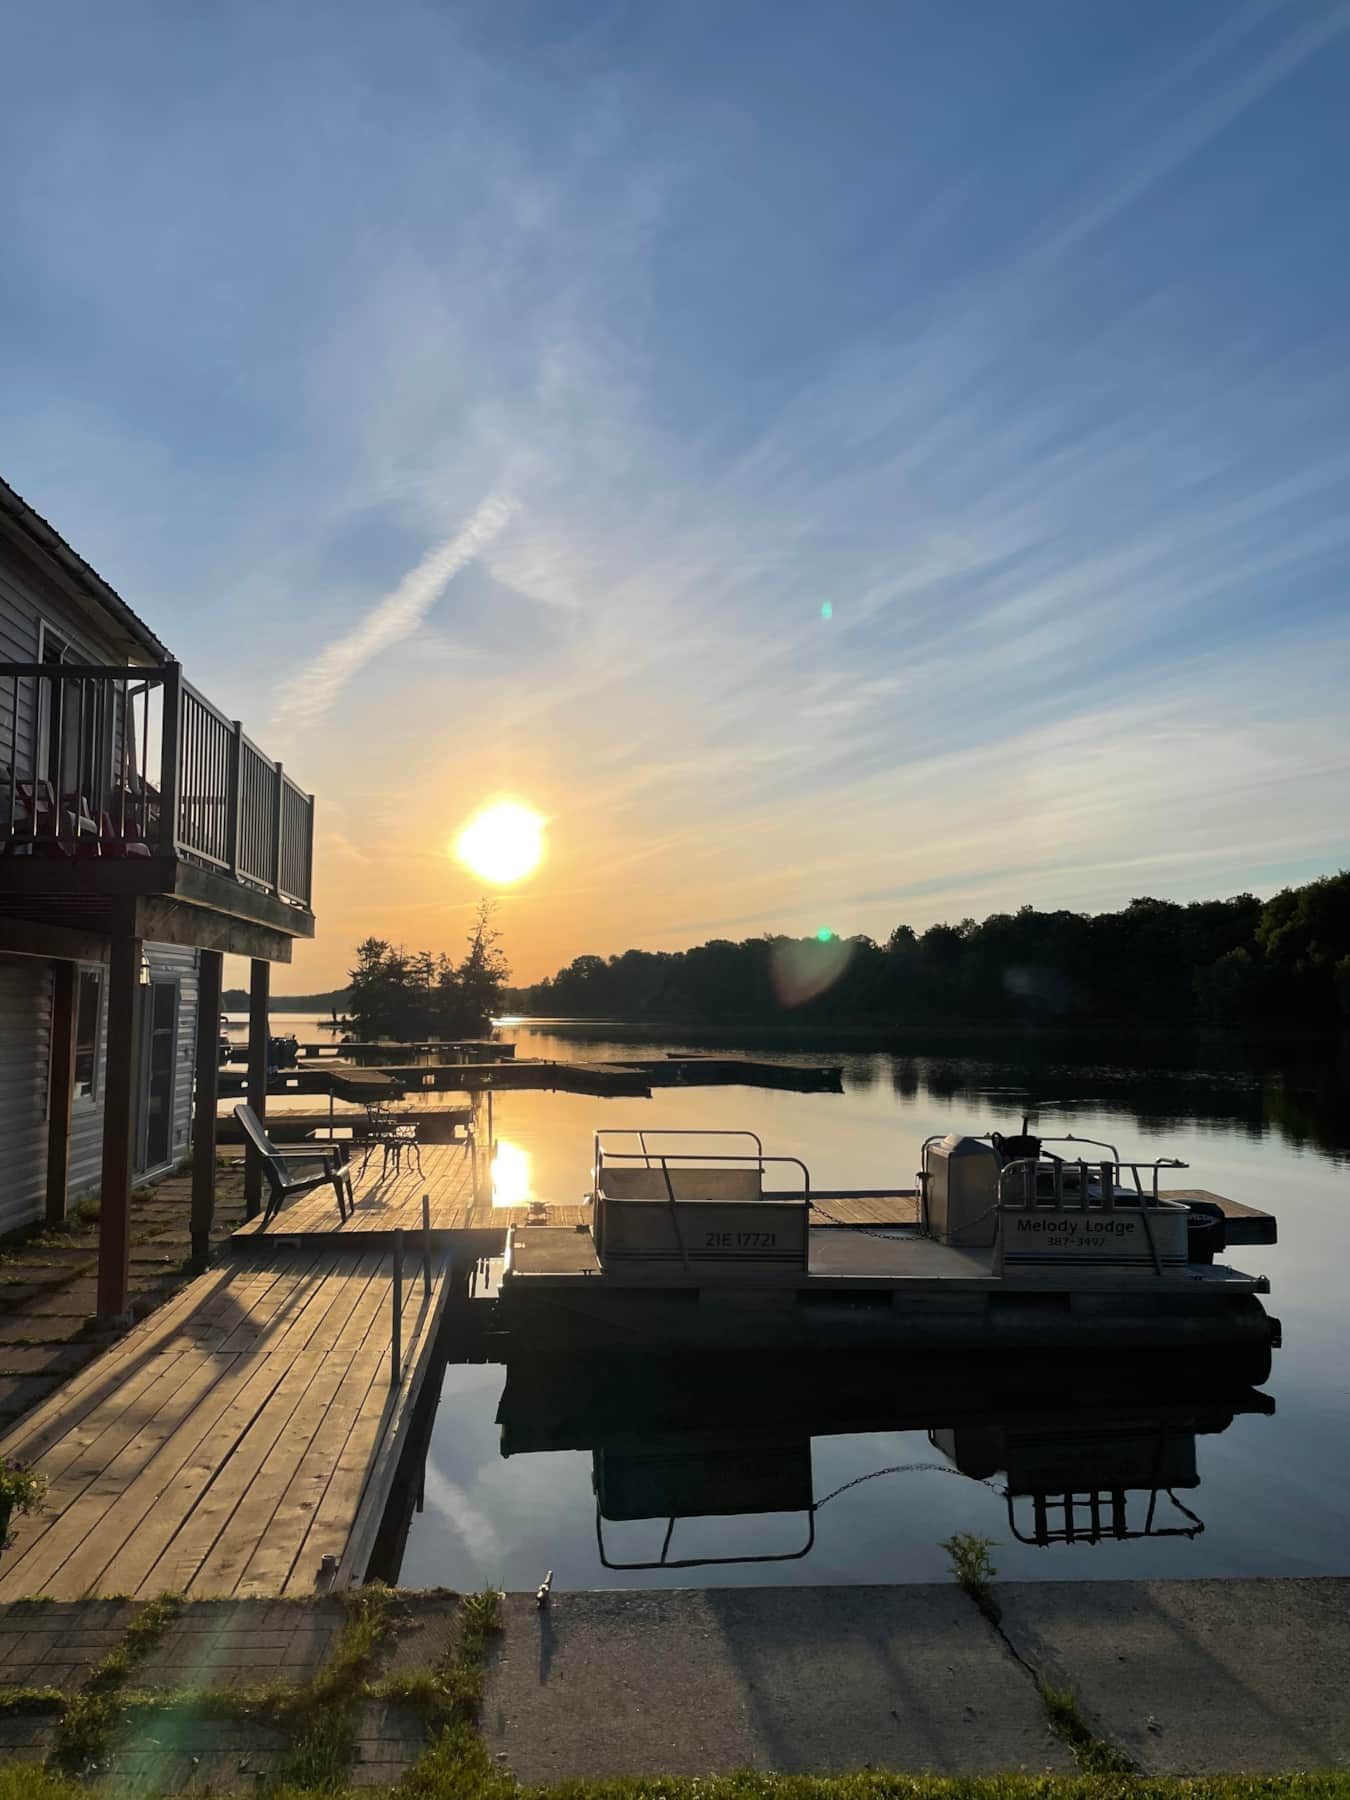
(395, 1137)
(50, 826)
(291, 1173)
(125, 843)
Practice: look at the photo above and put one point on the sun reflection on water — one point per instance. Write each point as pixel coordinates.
(510, 1175)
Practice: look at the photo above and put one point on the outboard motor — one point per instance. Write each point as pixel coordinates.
(1021, 1147)
(1206, 1231)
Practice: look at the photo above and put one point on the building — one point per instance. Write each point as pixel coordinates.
(143, 835)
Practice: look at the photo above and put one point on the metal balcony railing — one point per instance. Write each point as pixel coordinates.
(126, 762)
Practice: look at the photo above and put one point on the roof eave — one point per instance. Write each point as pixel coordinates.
(78, 571)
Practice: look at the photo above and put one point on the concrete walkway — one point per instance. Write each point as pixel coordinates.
(1197, 1677)
(1184, 1677)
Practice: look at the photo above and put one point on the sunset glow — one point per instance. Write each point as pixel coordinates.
(510, 1175)
(502, 844)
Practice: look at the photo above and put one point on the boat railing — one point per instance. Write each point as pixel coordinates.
(661, 1159)
(1094, 1516)
(667, 1561)
(642, 1133)
(1071, 1183)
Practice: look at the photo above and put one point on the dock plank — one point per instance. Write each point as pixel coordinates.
(310, 1384)
(94, 1481)
(362, 1478)
(193, 1554)
(278, 1552)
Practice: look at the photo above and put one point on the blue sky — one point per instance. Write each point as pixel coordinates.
(486, 399)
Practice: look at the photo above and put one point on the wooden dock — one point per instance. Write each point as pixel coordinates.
(386, 1202)
(234, 1440)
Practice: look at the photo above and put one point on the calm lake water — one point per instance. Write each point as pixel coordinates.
(1269, 1485)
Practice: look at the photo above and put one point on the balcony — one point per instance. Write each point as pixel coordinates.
(126, 797)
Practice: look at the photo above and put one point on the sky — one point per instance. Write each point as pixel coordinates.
(840, 463)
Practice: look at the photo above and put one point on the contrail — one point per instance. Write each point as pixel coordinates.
(390, 620)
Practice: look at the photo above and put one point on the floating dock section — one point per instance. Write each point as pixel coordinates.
(634, 1078)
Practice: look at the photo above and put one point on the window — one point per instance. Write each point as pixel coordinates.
(88, 995)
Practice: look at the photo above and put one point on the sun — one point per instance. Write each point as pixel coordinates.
(503, 843)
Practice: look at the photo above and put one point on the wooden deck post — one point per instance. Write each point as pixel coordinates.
(61, 1092)
(259, 982)
(207, 1093)
(119, 1127)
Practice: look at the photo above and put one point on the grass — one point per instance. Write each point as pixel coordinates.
(455, 1761)
(445, 1782)
(91, 1717)
(1094, 1755)
(974, 1570)
(15, 1701)
(326, 1710)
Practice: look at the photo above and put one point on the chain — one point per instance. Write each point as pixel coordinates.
(923, 1468)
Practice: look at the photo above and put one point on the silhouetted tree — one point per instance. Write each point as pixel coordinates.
(413, 996)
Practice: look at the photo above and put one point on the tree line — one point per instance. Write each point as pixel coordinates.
(1282, 963)
(334, 1000)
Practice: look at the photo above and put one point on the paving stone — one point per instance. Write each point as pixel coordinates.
(59, 1645)
(56, 1260)
(233, 1643)
(184, 1755)
(45, 1359)
(387, 1741)
(425, 1627)
(20, 1392)
(46, 1328)
(27, 1737)
(77, 1299)
(1198, 1677)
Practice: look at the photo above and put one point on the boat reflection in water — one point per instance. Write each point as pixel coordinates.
(1081, 1451)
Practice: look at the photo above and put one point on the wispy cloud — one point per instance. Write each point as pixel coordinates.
(395, 617)
(1044, 392)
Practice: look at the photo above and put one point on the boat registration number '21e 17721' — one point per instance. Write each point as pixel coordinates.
(740, 1240)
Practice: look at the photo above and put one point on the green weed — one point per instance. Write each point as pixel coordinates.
(974, 1570)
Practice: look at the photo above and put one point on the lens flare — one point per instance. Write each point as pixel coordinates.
(804, 967)
(503, 843)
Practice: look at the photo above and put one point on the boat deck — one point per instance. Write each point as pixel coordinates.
(386, 1202)
(230, 1442)
(838, 1259)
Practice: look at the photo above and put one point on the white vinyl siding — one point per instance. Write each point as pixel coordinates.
(167, 962)
(25, 1041)
(25, 1073)
(27, 605)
